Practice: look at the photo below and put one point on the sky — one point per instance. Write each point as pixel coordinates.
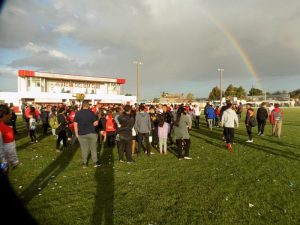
(181, 43)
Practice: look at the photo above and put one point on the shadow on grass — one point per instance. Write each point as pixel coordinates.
(27, 144)
(49, 173)
(104, 199)
(267, 149)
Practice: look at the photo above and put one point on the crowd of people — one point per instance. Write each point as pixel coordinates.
(133, 129)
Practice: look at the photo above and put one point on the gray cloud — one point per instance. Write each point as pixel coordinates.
(179, 43)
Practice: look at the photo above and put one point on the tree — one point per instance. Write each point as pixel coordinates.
(230, 91)
(240, 92)
(190, 97)
(295, 93)
(155, 100)
(214, 94)
(255, 92)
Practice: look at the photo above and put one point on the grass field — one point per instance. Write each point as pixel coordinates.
(258, 184)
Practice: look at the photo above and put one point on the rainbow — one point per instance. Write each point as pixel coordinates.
(233, 40)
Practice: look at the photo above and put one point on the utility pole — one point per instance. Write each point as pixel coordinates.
(138, 64)
(221, 78)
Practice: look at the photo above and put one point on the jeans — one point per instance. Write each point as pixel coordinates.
(140, 140)
(197, 121)
(163, 143)
(249, 131)
(125, 146)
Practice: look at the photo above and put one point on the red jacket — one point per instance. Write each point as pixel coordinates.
(27, 112)
(7, 133)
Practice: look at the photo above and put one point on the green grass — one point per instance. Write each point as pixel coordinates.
(215, 187)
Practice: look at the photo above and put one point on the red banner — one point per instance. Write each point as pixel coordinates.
(26, 73)
(121, 81)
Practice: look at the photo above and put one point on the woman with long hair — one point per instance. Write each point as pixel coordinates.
(181, 128)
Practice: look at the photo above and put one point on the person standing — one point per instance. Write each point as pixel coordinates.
(143, 128)
(126, 123)
(8, 137)
(218, 116)
(181, 128)
(276, 120)
(61, 130)
(210, 115)
(45, 115)
(32, 127)
(239, 110)
(196, 112)
(261, 117)
(249, 122)
(229, 121)
(84, 126)
(163, 131)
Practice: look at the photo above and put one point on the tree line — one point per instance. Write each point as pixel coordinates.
(240, 92)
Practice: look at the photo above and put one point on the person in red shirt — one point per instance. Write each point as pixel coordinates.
(8, 137)
(276, 117)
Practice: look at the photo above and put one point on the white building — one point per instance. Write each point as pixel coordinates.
(44, 87)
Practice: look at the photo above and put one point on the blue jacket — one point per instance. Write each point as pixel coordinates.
(210, 113)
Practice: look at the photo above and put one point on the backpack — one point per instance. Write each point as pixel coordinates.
(53, 122)
(32, 124)
(110, 124)
(252, 121)
(277, 116)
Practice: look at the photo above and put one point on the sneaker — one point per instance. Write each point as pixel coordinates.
(249, 141)
(84, 165)
(186, 157)
(36, 141)
(121, 161)
(130, 162)
(259, 134)
(180, 159)
(97, 164)
(152, 153)
(229, 146)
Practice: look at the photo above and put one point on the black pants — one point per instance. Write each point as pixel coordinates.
(183, 144)
(62, 135)
(229, 134)
(125, 146)
(155, 139)
(249, 132)
(110, 138)
(140, 140)
(261, 126)
(197, 121)
(45, 128)
(32, 135)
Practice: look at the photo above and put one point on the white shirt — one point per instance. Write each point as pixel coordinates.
(230, 118)
(197, 111)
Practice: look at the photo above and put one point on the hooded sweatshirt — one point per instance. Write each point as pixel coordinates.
(229, 118)
(142, 122)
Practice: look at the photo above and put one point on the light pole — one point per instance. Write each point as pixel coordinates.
(221, 77)
(138, 63)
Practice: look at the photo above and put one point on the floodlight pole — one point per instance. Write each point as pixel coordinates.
(138, 63)
(221, 78)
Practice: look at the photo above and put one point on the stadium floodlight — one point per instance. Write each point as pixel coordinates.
(138, 64)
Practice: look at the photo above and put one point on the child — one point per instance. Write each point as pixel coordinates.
(32, 127)
(163, 130)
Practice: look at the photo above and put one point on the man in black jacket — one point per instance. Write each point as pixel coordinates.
(126, 123)
(261, 117)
